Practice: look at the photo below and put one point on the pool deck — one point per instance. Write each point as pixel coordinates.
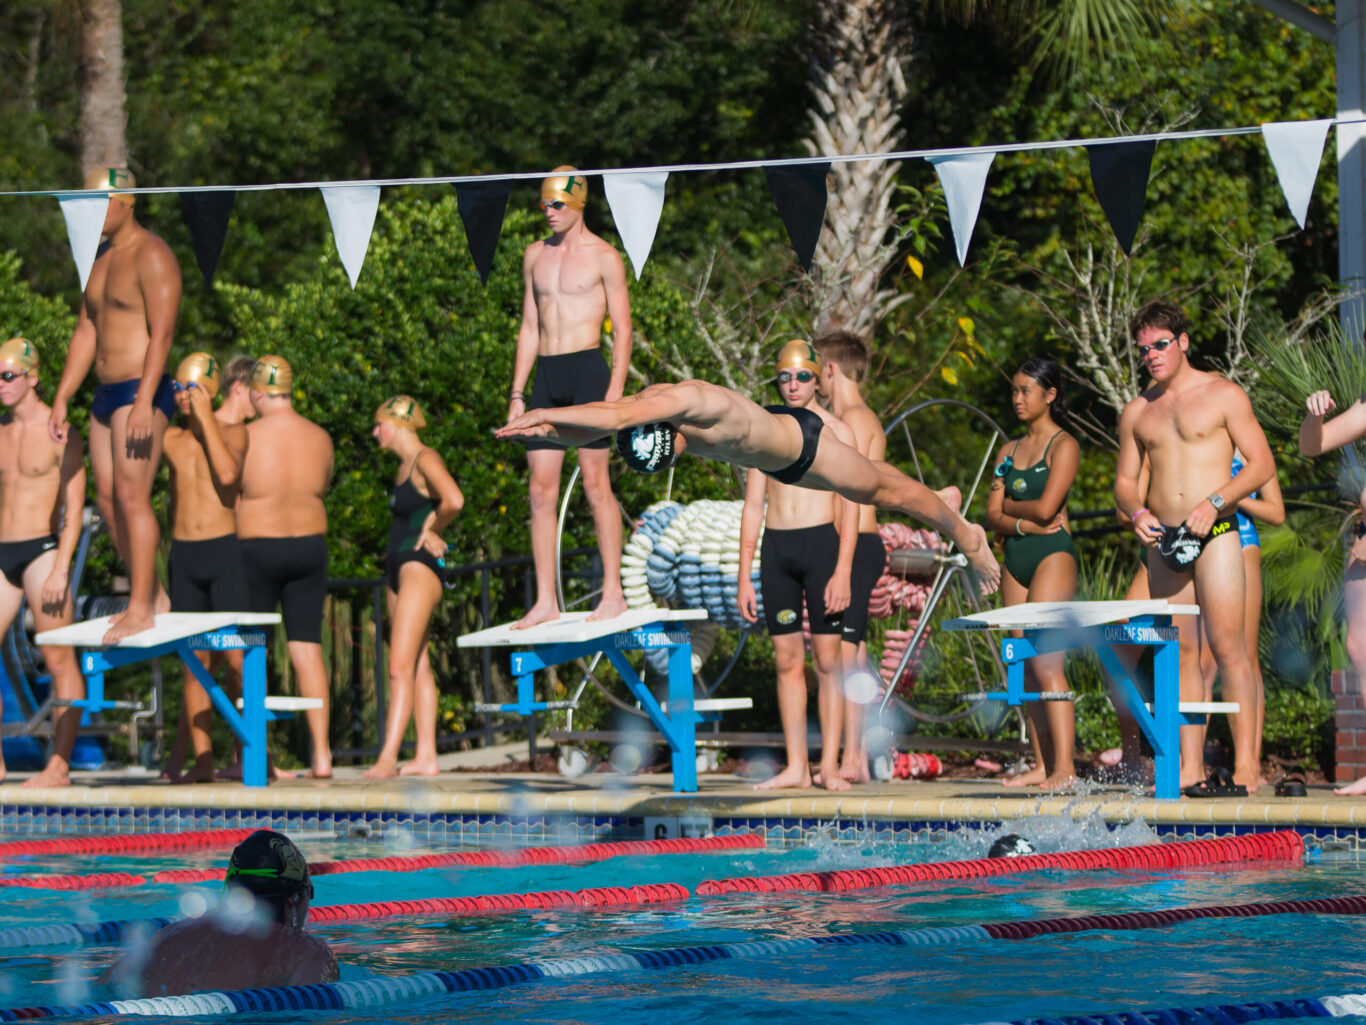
(528, 795)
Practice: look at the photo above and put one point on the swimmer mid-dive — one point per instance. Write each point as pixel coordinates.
(652, 427)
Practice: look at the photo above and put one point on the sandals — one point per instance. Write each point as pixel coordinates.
(1219, 783)
(1291, 786)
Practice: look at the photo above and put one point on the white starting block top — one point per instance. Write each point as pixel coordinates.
(1046, 615)
(572, 627)
(170, 626)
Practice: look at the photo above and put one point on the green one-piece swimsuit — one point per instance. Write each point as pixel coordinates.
(1025, 552)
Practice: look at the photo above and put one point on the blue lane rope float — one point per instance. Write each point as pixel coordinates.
(394, 989)
(1340, 1006)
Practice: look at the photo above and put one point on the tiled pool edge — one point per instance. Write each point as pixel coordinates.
(582, 816)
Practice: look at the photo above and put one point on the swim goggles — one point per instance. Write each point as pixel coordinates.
(262, 873)
(804, 376)
(552, 204)
(9, 375)
(177, 386)
(1004, 466)
(1160, 345)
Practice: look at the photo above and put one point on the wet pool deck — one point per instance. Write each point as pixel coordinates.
(592, 796)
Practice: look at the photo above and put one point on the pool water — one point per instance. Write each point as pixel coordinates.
(1187, 964)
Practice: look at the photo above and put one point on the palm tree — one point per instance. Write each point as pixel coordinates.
(104, 113)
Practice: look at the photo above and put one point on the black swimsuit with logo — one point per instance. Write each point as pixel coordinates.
(411, 509)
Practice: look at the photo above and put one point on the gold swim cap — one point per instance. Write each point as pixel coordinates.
(200, 369)
(272, 375)
(570, 189)
(113, 178)
(799, 354)
(19, 352)
(403, 411)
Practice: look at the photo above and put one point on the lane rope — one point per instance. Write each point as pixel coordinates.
(394, 989)
(127, 844)
(523, 856)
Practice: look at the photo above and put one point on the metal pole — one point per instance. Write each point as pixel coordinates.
(486, 658)
(357, 687)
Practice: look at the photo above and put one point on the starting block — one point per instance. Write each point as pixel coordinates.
(1057, 626)
(183, 634)
(571, 636)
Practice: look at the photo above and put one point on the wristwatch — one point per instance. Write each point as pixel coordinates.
(1217, 500)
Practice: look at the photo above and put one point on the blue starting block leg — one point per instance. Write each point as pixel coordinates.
(1162, 725)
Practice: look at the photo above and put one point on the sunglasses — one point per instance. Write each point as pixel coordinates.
(9, 375)
(183, 387)
(804, 376)
(1160, 345)
(555, 205)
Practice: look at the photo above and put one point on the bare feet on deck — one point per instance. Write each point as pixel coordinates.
(420, 767)
(608, 608)
(322, 767)
(234, 772)
(52, 776)
(385, 768)
(856, 772)
(128, 622)
(3, 772)
(1059, 781)
(541, 612)
(793, 777)
(829, 780)
(1030, 778)
(202, 772)
(1353, 789)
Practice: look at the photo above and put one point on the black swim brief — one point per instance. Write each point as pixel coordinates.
(569, 379)
(811, 435)
(112, 397)
(16, 556)
(290, 572)
(1179, 548)
(207, 576)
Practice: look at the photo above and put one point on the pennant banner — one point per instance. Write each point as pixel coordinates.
(1119, 175)
(636, 200)
(799, 194)
(482, 206)
(206, 215)
(84, 215)
(352, 209)
(964, 179)
(1296, 149)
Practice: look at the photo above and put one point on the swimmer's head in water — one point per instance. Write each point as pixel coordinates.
(113, 178)
(273, 375)
(404, 411)
(565, 186)
(1012, 845)
(648, 448)
(269, 865)
(201, 370)
(19, 352)
(799, 354)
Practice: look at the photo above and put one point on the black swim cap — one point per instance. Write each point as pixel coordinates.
(648, 448)
(269, 865)
(1012, 845)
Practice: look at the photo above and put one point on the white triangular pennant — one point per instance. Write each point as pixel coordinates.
(636, 201)
(352, 209)
(964, 179)
(84, 215)
(1296, 149)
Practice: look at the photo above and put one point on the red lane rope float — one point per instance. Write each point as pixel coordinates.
(498, 859)
(410, 863)
(132, 842)
(604, 896)
(1285, 845)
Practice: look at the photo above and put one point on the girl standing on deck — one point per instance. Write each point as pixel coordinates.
(424, 501)
(1027, 506)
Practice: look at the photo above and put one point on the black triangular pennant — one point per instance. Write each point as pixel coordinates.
(206, 215)
(799, 194)
(1119, 175)
(482, 206)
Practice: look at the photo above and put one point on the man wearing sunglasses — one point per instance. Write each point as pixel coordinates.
(1188, 424)
(42, 496)
(127, 319)
(255, 938)
(575, 285)
(806, 558)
